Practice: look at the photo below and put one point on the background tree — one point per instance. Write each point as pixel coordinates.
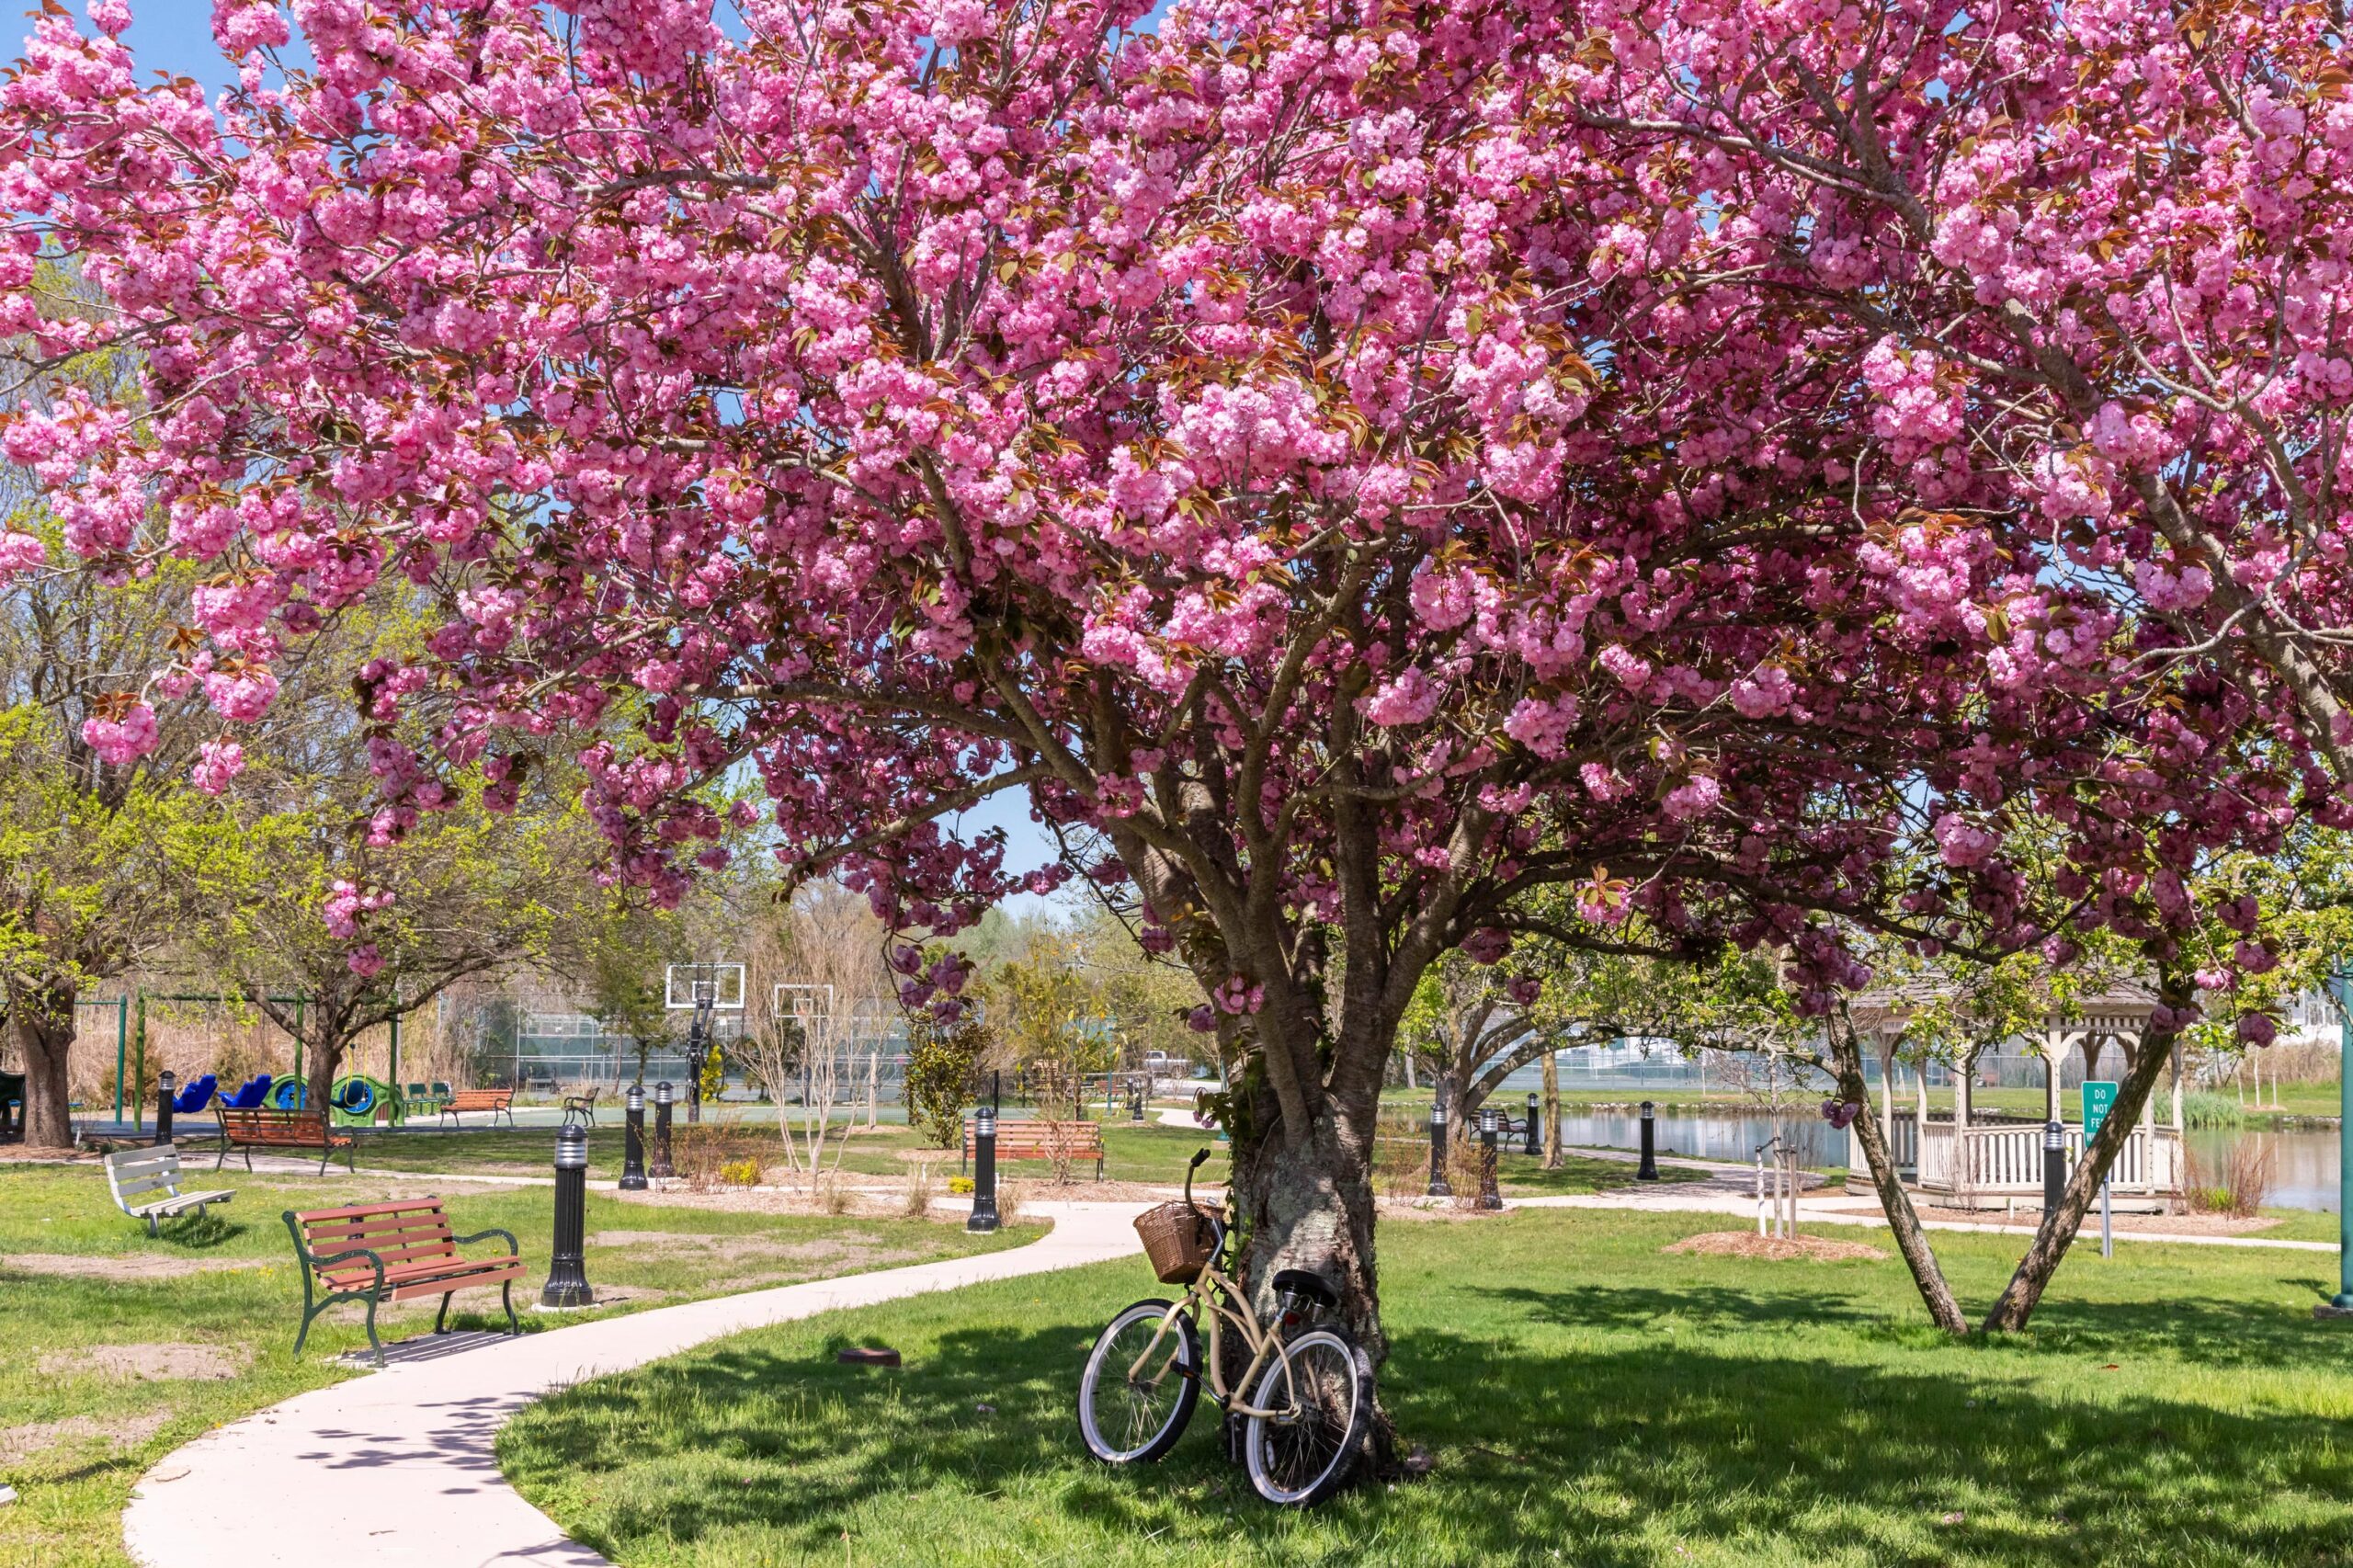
(622, 958)
(826, 949)
(364, 917)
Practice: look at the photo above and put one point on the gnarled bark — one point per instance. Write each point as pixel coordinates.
(1304, 1198)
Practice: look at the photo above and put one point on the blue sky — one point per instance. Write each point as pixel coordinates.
(176, 35)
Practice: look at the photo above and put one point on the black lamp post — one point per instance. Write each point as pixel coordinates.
(984, 1170)
(633, 1141)
(164, 1085)
(1648, 1169)
(1489, 1123)
(1438, 1188)
(1535, 1134)
(661, 1167)
(2054, 1165)
(567, 1283)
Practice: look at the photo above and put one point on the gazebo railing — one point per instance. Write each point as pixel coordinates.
(2004, 1160)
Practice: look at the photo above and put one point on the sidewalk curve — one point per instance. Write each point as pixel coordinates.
(396, 1468)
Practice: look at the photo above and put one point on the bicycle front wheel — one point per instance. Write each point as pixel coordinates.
(1304, 1453)
(1136, 1396)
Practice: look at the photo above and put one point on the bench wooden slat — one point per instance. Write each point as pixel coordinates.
(380, 1226)
(397, 1206)
(409, 1249)
(1031, 1140)
(349, 1276)
(263, 1127)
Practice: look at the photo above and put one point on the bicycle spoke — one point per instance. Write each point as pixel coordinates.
(1126, 1414)
(1308, 1440)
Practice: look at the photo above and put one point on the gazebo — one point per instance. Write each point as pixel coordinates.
(1977, 1162)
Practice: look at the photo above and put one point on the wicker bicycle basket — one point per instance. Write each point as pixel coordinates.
(1176, 1237)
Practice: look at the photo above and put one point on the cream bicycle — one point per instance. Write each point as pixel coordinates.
(1306, 1396)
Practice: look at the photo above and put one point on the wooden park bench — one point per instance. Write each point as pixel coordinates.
(1071, 1141)
(262, 1127)
(492, 1100)
(146, 1185)
(582, 1105)
(393, 1252)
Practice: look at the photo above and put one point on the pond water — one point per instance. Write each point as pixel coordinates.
(2303, 1160)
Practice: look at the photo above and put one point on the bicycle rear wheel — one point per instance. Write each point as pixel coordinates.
(1128, 1420)
(1304, 1455)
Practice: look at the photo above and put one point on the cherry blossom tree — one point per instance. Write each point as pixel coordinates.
(1273, 444)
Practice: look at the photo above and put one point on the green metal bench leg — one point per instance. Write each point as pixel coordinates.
(304, 1333)
(507, 1299)
(442, 1316)
(373, 1343)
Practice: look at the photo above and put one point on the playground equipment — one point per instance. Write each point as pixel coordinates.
(196, 1096)
(249, 1094)
(287, 1093)
(356, 1100)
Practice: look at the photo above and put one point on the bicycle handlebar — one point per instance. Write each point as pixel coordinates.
(1216, 1220)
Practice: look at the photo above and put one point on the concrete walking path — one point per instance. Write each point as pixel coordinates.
(397, 1469)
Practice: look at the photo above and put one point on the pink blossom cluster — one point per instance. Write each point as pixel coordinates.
(1332, 465)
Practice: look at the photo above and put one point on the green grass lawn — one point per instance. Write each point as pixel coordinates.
(1144, 1151)
(1517, 1175)
(1587, 1399)
(62, 1407)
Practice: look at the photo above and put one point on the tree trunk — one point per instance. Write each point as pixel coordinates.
(2058, 1229)
(1910, 1239)
(43, 1022)
(1552, 1157)
(1306, 1198)
(321, 1059)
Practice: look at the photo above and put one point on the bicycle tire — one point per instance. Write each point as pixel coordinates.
(1340, 1373)
(1124, 1338)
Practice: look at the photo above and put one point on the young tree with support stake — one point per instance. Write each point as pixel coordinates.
(1252, 442)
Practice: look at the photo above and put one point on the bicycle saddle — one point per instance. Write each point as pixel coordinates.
(1300, 1282)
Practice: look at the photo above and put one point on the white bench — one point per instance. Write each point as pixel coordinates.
(135, 1176)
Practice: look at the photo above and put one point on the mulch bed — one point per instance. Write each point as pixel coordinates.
(1779, 1249)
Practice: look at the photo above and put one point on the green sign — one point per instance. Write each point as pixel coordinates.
(2098, 1098)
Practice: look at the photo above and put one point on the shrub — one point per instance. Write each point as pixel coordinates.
(2237, 1182)
(961, 1186)
(709, 1153)
(919, 1191)
(941, 1058)
(2204, 1110)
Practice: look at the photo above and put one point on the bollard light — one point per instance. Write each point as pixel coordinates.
(2054, 1165)
(1489, 1123)
(1535, 1134)
(165, 1084)
(567, 1283)
(633, 1141)
(1648, 1169)
(662, 1170)
(984, 1170)
(1438, 1188)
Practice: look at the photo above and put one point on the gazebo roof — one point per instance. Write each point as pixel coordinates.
(2123, 1008)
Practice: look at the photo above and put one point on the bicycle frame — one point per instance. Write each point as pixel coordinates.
(1202, 1295)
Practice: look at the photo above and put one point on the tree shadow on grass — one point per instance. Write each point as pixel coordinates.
(1795, 1458)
